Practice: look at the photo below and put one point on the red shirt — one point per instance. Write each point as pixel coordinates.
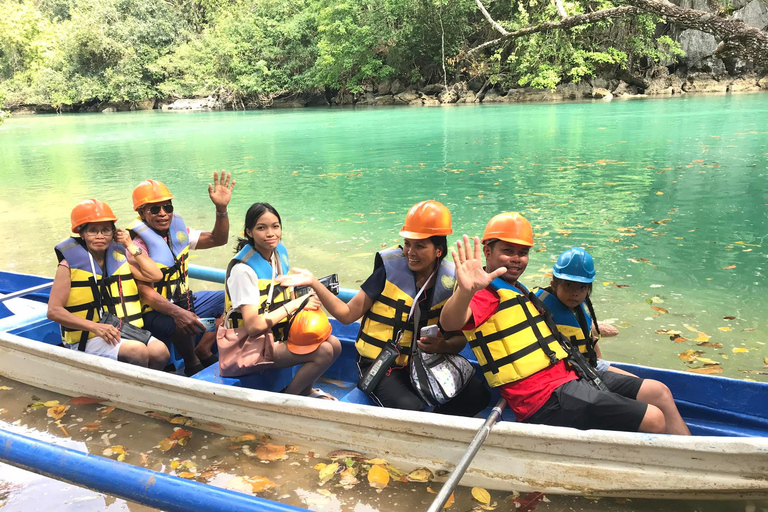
(525, 396)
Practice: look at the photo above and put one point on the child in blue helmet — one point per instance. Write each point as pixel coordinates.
(567, 298)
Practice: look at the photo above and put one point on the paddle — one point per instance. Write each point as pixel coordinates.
(26, 291)
(466, 459)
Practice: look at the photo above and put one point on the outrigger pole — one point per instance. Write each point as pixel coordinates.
(466, 459)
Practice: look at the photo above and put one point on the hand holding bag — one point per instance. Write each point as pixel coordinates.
(241, 353)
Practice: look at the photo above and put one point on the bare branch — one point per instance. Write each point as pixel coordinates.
(566, 24)
(493, 23)
(560, 9)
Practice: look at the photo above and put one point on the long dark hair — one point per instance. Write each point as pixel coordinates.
(251, 216)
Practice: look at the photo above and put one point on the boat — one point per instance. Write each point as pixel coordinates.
(726, 458)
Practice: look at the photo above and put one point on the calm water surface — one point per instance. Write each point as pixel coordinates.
(669, 196)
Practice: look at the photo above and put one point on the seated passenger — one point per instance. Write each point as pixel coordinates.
(568, 298)
(95, 278)
(263, 304)
(518, 352)
(405, 278)
(171, 311)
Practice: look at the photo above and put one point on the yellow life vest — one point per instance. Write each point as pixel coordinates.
(170, 256)
(515, 342)
(388, 316)
(117, 292)
(280, 295)
(576, 326)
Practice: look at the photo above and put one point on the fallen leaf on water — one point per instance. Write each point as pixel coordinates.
(378, 476)
(115, 450)
(431, 491)
(348, 478)
(166, 444)
(51, 403)
(376, 461)
(320, 465)
(328, 471)
(394, 472)
(749, 329)
(270, 451)
(240, 484)
(701, 337)
(481, 495)
(106, 411)
(710, 344)
(36, 405)
(3, 411)
(729, 318)
(765, 360)
(740, 350)
(724, 329)
(660, 310)
(528, 502)
(420, 475)
(706, 360)
(449, 502)
(180, 433)
(5, 388)
(260, 483)
(622, 286)
(144, 459)
(709, 369)
(678, 339)
(344, 454)
(690, 328)
(58, 412)
(689, 355)
(85, 400)
(91, 427)
(729, 267)
(178, 419)
(245, 438)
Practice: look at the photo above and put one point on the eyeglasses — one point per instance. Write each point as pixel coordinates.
(155, 210)
(95, 231)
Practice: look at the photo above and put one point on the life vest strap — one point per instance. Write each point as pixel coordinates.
(494, 365)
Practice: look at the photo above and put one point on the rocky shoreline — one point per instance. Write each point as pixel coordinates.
(658, 81)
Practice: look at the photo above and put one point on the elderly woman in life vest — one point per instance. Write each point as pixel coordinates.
(94, 295)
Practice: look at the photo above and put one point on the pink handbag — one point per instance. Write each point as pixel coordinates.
(241, 353)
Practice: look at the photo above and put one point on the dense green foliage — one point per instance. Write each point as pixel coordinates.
(64, 52)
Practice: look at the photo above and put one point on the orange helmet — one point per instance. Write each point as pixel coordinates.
(90, 210)
(510, 227)
(150, 191)
(309, 329)
(426, 219)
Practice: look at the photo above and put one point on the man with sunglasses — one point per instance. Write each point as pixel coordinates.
(171, 311)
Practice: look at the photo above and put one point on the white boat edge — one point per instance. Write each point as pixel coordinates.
(514, 457)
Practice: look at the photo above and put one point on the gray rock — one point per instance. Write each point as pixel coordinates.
(407, 96)
(396, 87)
(699, 5)
(469, 97)
(418, 102)
(148, 104)
(433, 89)
(754, 14)
(384, 87)
(289, 102)
(449, 96)
(430, 101)
(706, 83)
(526, 94)
(386, 99)
(492, 96)
(624, 89)
(601, 93)
(109, 110)
(763, 83)
(343, 98)
(665, 85)
(573, 91)
(367, 98)
(696, 45)
(744, 84)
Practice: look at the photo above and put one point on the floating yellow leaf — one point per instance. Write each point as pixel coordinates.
(702, 337)
(3, 411)
(740, 350)
(328, 471)
(713, 368)
(51, 403)
(608, 283)
(348, 478)
(729, 267)
(689, 355)
(449, 503)
(320, 465)
(706, 360)
(660, 310)
(175, 464)
(394, 472)
(765, 360)
(166, 444)
(270, 451)
(725, 329)
(260, 483)
(378, 476)
(179, 434)
(115, 450)
(376, 461)
(420, 475)
(710, 344)
(106, 411)
(57, 412)
(187, 475)
(481, 495)
(690, 328)
(5, 388)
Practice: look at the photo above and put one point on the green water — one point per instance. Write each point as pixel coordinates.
(665, 194)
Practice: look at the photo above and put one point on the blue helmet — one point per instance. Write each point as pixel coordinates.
(575, 265)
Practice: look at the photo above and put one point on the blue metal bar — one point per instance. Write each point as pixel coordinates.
(133, 483)
(216, 275)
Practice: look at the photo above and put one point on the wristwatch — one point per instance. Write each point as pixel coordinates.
(138, 252)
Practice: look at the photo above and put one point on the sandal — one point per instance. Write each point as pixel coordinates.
(193, 370)
(319, 393)
(210, 360)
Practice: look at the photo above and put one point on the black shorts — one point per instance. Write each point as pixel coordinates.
(580, 405)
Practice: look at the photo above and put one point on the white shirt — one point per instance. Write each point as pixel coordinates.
(243, 286)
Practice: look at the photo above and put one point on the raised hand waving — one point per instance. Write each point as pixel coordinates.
(470, 274)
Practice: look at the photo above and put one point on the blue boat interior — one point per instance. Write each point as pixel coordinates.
(710, 405)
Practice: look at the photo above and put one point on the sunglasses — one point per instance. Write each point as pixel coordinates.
(154, 210)
(93, 231)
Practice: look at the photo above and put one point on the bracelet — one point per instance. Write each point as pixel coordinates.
(222, 214)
